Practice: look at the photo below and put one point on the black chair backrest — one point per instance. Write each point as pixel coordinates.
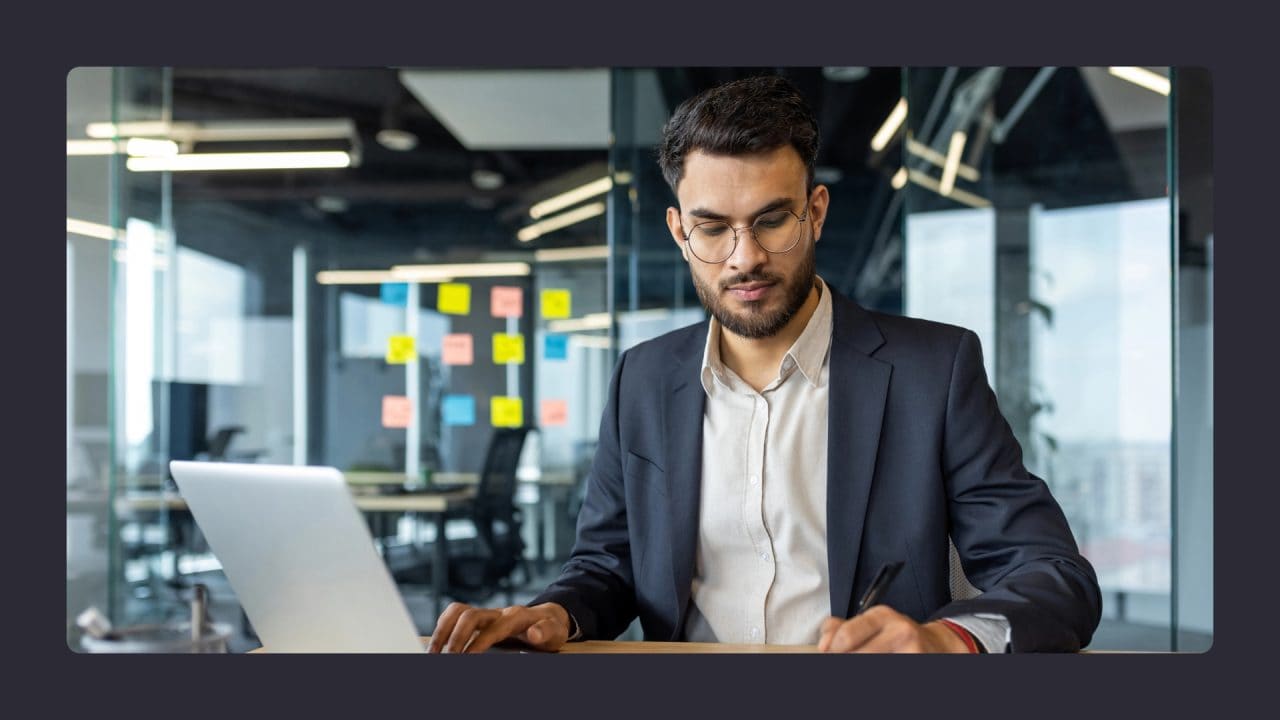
(495, 494)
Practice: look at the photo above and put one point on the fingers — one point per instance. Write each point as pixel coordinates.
(444, 625)
(879, 629)
(546, 634)
(827, 631)
(510, 621)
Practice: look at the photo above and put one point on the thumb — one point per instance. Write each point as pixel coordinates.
(542, 634)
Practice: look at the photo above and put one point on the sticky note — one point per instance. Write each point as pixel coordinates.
(506, 301)
(555, 347)
(400, 349)
(459, 410)
(454, 298)
(506, 411)
(395, 293)
(554, 412)
(555, 304)
(396, 411)
(508, 349)
(457, 349)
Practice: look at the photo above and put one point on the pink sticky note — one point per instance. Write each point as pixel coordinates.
(554, 412)
(396, 411)
(506, 301)
(457, 349)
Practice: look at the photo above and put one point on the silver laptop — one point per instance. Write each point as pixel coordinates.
(299, 556)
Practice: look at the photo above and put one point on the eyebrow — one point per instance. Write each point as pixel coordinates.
(774, 204)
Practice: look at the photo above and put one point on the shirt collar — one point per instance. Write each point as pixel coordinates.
(808, 353)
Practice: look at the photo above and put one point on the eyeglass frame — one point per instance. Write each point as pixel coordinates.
(801, 219)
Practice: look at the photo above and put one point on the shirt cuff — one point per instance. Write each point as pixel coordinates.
(991, 630)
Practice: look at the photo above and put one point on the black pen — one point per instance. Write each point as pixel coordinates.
(878, 585)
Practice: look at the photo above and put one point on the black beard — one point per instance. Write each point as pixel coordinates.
(756, 323)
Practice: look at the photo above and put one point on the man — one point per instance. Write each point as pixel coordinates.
(755, 471)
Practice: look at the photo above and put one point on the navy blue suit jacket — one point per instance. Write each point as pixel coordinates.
(917, 452)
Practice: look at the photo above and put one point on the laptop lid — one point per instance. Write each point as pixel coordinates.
(299, 556)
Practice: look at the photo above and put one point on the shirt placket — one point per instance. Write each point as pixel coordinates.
(762, 545)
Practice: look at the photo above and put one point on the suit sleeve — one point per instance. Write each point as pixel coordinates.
(596, 584)
(1011, 535)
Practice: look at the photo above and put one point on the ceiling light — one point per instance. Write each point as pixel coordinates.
(949, 169)
(355, 277)
(93, 147)
(434, 273)
(899, 180)
(923, 180)
(486, 179)
(919, 149)
(890, 126)
(396, 139)
(542, 227)
(242, 161)
(108, 130)
(569, 197)
(589, 252)
(147, 147)
(91, 229)
(1144, 77)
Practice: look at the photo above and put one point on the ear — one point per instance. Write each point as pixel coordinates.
(677, 233)
(818, 210)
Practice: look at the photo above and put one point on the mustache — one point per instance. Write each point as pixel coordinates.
(741, 278)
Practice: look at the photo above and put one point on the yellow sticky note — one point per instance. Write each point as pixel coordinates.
(454, 298)
(555, 304)
(506, 411)
(400, 349)
(508, 349)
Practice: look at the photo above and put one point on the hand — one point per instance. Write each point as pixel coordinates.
(463, 628)
(881, 629)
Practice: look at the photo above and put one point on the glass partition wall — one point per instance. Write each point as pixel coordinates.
(456, 271)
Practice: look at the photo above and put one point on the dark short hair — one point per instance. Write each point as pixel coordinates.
(744, 117)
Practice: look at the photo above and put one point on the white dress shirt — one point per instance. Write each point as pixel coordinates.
(761, 565)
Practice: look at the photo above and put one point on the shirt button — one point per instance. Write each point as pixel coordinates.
(753, 479)
(764, 557)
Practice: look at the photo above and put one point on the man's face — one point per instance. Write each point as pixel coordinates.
(754, 293)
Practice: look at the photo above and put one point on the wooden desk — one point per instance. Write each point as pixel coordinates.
(615, 647)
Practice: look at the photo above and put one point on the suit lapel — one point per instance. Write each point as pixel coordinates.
(858, 386)
(684, 404)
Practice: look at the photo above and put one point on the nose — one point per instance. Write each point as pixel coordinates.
(747, 255)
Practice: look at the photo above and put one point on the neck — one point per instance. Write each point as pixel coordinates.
(756, 360)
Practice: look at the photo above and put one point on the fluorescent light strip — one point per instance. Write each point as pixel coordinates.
(242, 161)
(1144, 77)
(228, 131)
(890, 126)
(899, 180)
(439, 273)
(355, 277)
(147, 147)
(924, 181)
(570, 197)
(542, 227)
(590, 252)
(95, 230)
(94, 147)
(925, 152)
(948, 182)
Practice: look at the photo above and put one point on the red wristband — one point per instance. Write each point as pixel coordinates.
(969, 642)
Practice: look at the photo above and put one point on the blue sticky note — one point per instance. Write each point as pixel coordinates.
(459, 410)
(395, 293)
(557, 347)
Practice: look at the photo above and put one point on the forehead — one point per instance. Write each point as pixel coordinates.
(740, 183)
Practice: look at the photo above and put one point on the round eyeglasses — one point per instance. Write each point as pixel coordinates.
(776, 232)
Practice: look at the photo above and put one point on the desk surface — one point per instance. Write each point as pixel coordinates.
(614, 647)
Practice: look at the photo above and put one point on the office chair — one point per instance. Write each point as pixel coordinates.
(481, 567)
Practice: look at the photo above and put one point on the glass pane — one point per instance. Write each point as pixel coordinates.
(1038, 215)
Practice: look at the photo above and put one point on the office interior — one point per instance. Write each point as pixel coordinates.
(378, 269)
